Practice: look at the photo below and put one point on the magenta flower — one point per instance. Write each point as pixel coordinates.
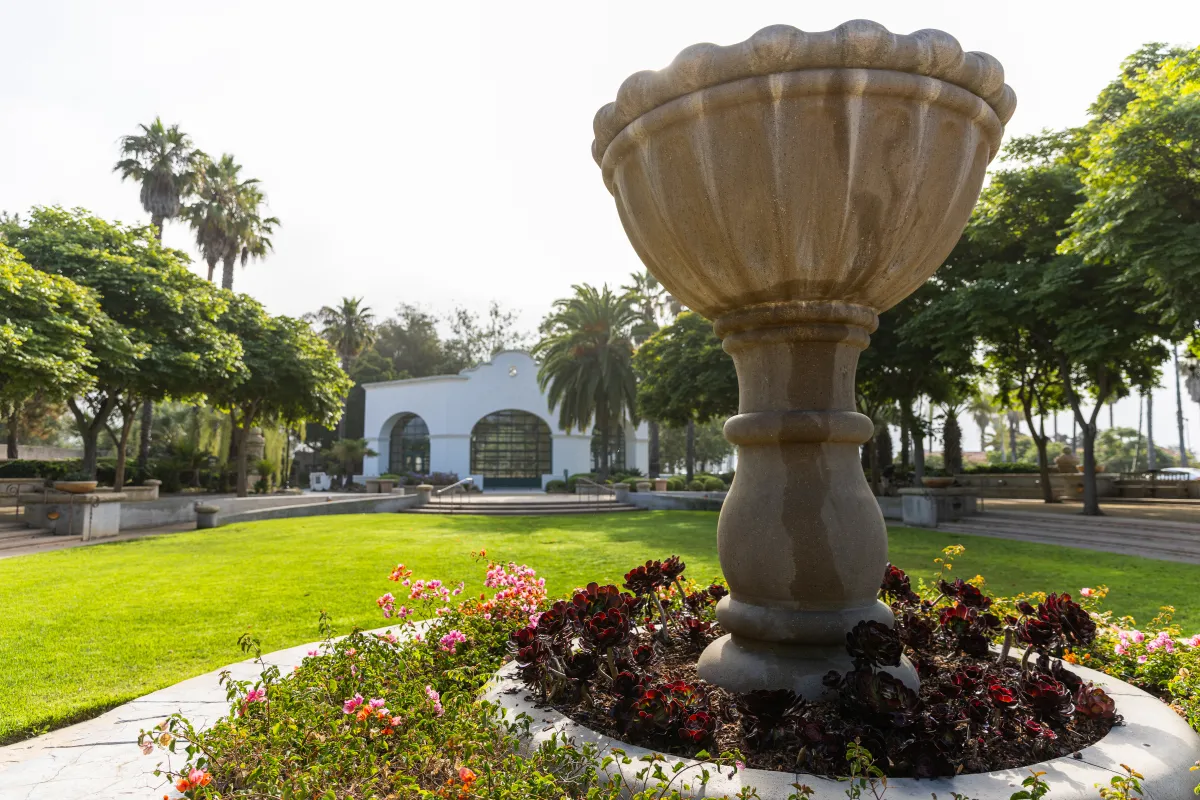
(314, 653)
(255, 695)
(435, 699)
(351, 705)
(1138, 636)
(1142, 659)
(377, 702)
(450, 642)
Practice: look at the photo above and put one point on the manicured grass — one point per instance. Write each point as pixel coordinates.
(85, 629)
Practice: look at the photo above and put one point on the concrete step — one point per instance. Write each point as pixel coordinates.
(36, 538)
(1094, 523)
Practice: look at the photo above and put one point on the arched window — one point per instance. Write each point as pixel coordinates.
(511, 448)
(616, 450)
(408, 448)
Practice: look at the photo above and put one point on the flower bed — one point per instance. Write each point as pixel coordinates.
(398, 715)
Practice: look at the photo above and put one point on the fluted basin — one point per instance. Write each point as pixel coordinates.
(790, 188)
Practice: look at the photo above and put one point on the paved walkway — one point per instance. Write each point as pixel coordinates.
(100, 760)
(1128, 534)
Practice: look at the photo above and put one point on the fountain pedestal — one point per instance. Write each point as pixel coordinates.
(790, 188)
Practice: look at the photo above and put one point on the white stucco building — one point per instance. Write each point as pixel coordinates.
(490, 422)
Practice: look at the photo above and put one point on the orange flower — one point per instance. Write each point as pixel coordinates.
(388, 731)
(182, 785)
(466, 775)
(363, 713)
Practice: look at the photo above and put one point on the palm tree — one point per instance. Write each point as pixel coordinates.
(981, 408)
(164, 162)
(350, 329)
(227, 217)
(587, 362)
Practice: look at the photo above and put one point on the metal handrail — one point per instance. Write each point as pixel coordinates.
(451, 488)
(445, 489)
(599, 486)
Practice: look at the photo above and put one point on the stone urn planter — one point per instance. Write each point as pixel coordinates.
(206, 515)
(75, 487)
(790, 188)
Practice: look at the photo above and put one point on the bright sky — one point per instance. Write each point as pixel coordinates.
(438, 153)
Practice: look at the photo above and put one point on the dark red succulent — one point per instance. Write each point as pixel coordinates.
(915, 630)
(1093, 702)
(672, 568)
(594, 598)
(643, 654)
(896, 587)
(1036, 729)
(606, 630)
(697, 727)
(965, 593)
(645, 579)
(873, 644)
(1077, 625)
(717, 591)
(1049, 699)
(697, 630)
(768, 716)
(1002, 696)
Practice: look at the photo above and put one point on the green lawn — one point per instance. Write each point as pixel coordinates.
(85, 629)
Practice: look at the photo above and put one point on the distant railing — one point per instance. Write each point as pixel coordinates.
(592, 487)
(455, 496)
(1156, 476)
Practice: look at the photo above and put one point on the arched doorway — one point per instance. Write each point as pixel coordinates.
(408, 446)
(511, 449)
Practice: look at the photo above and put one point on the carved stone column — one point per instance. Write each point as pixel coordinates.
(790, 188)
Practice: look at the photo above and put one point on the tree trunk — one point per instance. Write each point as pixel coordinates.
(14, 419)
(143, 458)
(158, 220)
(212, 268)
(655, 466)
(691, 450)
(238, 437)
(602, 421)
(1013, 427)
(904, 451)
(1038, 434)
(883, 440)
(1183, 455)
(1137, 447)
(89, 431)
(227, 272)
(127, 417)
(1151, 456)
(1091, 499)
(952, 445)
(876, 468)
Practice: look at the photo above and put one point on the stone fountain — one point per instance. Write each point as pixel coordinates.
(790, 188)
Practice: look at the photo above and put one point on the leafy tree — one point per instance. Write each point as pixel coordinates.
(686, 378)
(709, 447)
(292, 376)
(875, 402)
(1119, 448)
(46, 324)
(168, 343)
(410, 341)
(586, 356)
(347, 454)
(474, 340)
(1141, 181)
(653, 303)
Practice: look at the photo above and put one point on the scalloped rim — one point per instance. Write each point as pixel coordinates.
(859, 44)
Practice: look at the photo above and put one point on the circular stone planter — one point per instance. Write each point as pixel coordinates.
(75, 487)
(1153, 740)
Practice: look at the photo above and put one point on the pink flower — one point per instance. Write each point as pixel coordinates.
(741, 765)
(1086, 592)
(458, 590)
(147, 747)
(255, 695)
(377, 702)
(1138, 636)
(435, 699)
(1194, 641)
(386, 604)
(314, 652)
(1121, 649)
(395, 722)
(1143, 659)
(353, 703)
(449, 643)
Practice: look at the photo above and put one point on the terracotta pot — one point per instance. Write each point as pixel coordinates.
(75, 487)
(790, 188)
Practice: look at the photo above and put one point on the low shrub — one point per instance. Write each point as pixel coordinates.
(1015, 468)
(556, 486)
(714, 485)
(391, 476)
(696, 485)
(676, 484)
(38, 468)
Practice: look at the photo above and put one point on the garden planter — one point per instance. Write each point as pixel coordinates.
(660, 484)
(790, 188)
(75, 487)
(1154, 740)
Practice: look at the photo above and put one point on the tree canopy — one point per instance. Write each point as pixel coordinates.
(684, 374)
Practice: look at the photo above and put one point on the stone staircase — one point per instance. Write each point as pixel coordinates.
(1165, 541)
(15, 535)
(534, 506)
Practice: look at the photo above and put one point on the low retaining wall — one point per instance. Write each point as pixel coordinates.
(178, 509)
(1028, 486)
(372, 504)
(677, 501)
